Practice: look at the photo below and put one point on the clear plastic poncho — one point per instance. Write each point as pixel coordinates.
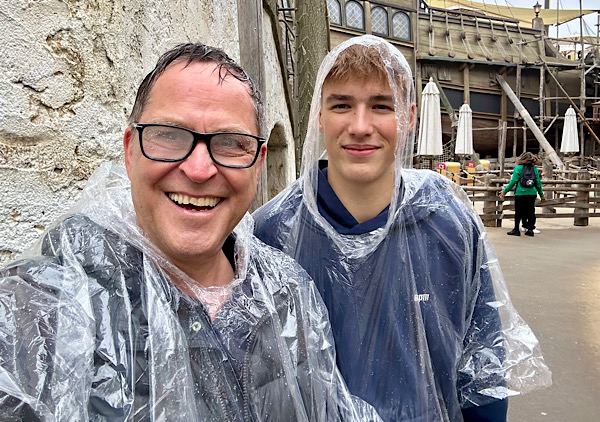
(423, 324)
(93, 328)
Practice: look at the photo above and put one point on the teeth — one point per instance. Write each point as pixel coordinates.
(198, 202)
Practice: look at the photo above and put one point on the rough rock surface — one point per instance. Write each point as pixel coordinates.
(68, 74)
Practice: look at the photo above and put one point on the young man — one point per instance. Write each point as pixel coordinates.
(152, 300)
(423, 325)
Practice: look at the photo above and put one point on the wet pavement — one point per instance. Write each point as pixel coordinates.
(554, 282)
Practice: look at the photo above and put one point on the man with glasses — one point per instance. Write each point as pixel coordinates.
(151, 299)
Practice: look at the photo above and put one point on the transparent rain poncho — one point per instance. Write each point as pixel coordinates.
(93, 328)
(423, 324)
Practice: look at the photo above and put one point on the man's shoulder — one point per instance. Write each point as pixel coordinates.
(278, 214)
(82, 234)
(277, 268)
(273, 260)
(75, 241)
(432, 199)
(423, 187)
(285, 201)
(424, 177)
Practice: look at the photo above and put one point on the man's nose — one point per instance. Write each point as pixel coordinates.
(361, 123)
(199, 167)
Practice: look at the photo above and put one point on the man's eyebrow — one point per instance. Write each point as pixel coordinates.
(163, 121)
(227, 128)
(384, 98)
(332, 98)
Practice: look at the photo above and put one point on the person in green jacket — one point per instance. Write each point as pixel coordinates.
(524, 196)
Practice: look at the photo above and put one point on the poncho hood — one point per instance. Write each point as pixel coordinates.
(421, 316)
(401, 84)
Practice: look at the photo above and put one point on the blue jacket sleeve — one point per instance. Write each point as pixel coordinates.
(493, 412)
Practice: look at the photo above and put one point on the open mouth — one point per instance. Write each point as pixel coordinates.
(193, 204)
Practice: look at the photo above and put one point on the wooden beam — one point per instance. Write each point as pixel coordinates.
(467, 85)
(502, 144)
(530, 123)
(446, 102)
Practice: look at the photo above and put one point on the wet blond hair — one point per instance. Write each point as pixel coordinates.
(361, 61)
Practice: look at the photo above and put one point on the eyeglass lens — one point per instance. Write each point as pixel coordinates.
(169, 143)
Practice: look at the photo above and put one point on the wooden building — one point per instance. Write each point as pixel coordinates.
(468, 53)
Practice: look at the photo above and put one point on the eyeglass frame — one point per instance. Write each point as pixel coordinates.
(204, 137)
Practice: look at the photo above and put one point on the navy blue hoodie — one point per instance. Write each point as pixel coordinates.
(415, 322)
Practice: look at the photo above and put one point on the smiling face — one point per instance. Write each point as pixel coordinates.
(188, 208)
(358, 122)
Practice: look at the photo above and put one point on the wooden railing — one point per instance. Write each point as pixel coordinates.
(569, 194)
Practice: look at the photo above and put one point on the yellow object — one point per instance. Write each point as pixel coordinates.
(453, 171)
(450, 169)
(470, 169)
(485, 164)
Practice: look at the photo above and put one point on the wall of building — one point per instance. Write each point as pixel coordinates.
(69, 71)
(281, 169)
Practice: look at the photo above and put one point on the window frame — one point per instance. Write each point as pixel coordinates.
(339, 3)
(390, 11)
(360, 4)
(344, 23)
(387, 20)
(391, 21)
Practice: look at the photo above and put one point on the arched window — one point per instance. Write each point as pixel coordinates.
(379, 20)
(401, 26)
(354, 15)
(335, 12)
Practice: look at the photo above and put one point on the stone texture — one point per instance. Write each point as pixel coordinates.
(69, 71)
(280, 166)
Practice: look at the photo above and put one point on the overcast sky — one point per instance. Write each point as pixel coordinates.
(570, 28)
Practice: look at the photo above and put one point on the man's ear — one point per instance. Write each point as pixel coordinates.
(128, 139)
(261, 159)
(320, 123)
(412, 117)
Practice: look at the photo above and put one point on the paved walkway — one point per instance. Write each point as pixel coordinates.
(554, 283)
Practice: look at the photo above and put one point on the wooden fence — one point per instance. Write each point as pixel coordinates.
(569, 193)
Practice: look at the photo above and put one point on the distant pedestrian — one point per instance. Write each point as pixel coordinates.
(527, 184)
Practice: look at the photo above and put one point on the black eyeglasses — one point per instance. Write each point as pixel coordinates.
(172, 143)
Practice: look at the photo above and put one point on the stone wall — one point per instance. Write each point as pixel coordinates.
(69, 70)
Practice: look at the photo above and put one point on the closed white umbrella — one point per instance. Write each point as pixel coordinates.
(570, 140)
(464, 134)
(430, 126)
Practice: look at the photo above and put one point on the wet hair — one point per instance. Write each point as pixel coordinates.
(527, 158)
(361, 61)
(200, 53)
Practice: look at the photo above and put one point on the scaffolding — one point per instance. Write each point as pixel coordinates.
(550, 62)
(587, 63)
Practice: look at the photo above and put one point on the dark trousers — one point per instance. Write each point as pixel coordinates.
(525, 211)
